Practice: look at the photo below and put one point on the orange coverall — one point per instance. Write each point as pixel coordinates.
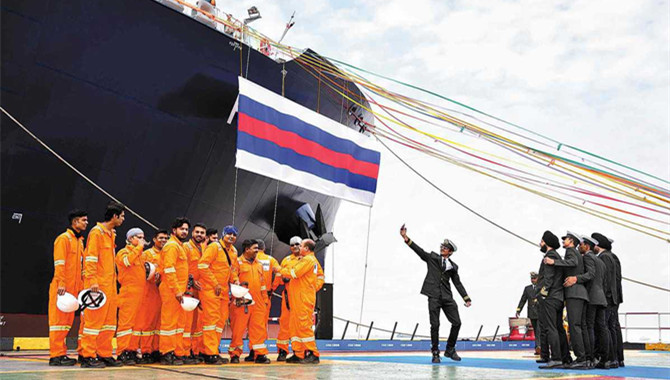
(132, 277)
(216, 268)
(99, 268)
(68, 252)
(252, 317)
(284, 318)
(175, 279)
(306, 279)
(193, 333)
(271, 270)
(148, 317)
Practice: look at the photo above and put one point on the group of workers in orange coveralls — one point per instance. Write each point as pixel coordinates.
(159, 286)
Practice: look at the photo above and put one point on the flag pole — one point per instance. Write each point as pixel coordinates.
(365, 270)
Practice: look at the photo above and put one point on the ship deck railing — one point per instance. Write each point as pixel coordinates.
(225, 23)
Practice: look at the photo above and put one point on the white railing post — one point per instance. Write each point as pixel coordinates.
(659, 328)
(625, 321)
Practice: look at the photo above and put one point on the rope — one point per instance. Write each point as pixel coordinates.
(365, 271)
(75, 169)
(246, 74)
(489, 220)
(274, 219)
(235, 195)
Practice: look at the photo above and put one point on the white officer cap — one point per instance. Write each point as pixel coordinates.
(295, 240)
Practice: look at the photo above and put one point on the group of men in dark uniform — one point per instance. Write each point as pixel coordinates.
(587, 282)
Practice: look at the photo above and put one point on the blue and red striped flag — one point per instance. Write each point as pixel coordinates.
(281, 139)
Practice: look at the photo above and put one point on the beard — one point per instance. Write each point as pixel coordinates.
(544, 249)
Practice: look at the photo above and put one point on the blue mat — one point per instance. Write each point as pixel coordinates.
(515, 365)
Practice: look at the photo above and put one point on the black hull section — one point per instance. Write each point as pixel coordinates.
(136, 96)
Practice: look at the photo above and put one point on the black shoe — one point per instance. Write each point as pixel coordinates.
(310, 358)
(189, 360)
(251, 357)
(146, 359)
(282, 356)
(552, 365)
(234, 360)
(293, 359)
(110, 361)
(621, 365)
(198, 358)
(91, 363)
(262, 359)
(62, 361)
(451, 353)
(156, 356)
(127, 358)
(613, 364)
(215, 360)
(603, 365)
(579, 365)
(436, 357)
(80, 359)
(542, 360)
(171, 359)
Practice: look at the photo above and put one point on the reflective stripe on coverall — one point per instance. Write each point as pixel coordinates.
(284, 335)
(148, 317)
(175, 279)
(68, 253)
(252, 317)
(302, 299)
(215, 270)
(99, 268)
(132, 277)
(193, 332)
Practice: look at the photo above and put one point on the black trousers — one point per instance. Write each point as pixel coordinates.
(450, 309)
(536, 329)
(575, 308)
(551, 321)
(586, 335)
(599, 333)
(616, 338)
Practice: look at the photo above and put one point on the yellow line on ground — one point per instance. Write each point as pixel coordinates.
(560, 377)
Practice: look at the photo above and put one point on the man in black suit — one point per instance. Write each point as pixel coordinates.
(611, 293)
(551, 305)
(595, 326)
(530, 294)
(576, 296)
(619, 338)
(436, 286)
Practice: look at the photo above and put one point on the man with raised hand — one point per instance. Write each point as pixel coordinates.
(437, 288)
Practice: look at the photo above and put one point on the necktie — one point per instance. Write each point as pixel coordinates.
(444, 264)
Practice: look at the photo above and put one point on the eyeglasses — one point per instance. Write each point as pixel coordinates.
(295, 245)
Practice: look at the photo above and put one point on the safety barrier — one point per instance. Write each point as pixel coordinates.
(659, 324)
(226, 24)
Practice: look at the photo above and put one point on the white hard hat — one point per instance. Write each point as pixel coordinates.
(238, 291)
(67, 303)
(150, 269)
(92, 300)
(189, 303)
(249, 298)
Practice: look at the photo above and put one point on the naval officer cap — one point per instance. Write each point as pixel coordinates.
(573, 236)
(534, 275)
(590, 241)
(449, 244)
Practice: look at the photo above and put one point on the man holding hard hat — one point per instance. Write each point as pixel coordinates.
(67, 281)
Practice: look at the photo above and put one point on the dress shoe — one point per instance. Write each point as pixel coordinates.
(451, 353)
(552, 365)
(542, 360)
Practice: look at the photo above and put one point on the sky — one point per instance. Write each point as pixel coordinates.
(594, 74)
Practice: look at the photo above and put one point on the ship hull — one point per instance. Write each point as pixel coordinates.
(136, 96)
